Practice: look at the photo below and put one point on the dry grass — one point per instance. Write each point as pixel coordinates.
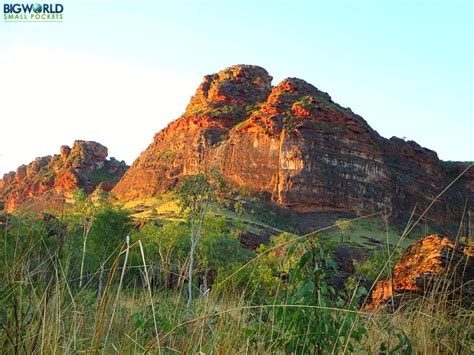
(55, 317)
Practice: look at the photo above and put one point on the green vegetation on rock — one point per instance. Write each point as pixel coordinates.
(101, 174)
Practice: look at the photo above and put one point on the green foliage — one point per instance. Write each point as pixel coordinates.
(82, 204)
(281, 254)
(239, 208)
(241, 124)
(327, 104)
(402, 343)
(195, 194)
(279, 300)
(251, 108)
(217, 249)
(306, 102)
(167, 249)
(227, 110)
(310, 103)
(25, 235)
(453, 168)
(255, 284)
(100, 175)
(95, 229)
(168, 155)
(198, 191)
(343, 224)
(311, 323)
(260, 280)
(47, 174)
(371, 234)
(378, 265)
(272, 215)
(290, 122)
(110, 227)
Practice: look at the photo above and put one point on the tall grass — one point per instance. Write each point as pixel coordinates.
(43, 311)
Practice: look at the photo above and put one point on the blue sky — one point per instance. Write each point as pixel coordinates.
(119, 71)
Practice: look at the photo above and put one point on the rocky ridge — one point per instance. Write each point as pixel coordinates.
(48, 181)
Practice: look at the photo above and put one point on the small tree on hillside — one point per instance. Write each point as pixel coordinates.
(195, 195)
(344, 225)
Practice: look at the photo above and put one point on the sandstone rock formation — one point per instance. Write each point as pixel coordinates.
(432, 263)
(46, 182)
(292, 145)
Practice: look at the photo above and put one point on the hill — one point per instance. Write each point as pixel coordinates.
(293, 146)
(47, 182)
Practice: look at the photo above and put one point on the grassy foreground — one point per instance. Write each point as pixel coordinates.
(250, 309)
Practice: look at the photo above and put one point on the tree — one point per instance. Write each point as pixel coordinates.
(85, 207)
(169, 250)
(96, 228)
(343, 225)
(218, 250)
(195, 194)
(314, 325)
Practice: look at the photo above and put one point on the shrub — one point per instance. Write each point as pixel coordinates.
(378, 265)
(310, 321)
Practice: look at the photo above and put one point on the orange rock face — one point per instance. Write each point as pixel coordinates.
(424, 265)
(291, 144)
(45, 182)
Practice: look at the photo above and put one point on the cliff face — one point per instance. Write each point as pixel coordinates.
(47, 182)
(293, 145)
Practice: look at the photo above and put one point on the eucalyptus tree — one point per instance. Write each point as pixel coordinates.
(196, 194)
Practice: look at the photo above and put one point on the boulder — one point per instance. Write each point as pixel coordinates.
(432, 264)
(64, 151)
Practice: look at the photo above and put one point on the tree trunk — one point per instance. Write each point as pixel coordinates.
(87, 227)
(101, 280)
(190, 275)
(180, 277)
(469, 230)
(205, 284)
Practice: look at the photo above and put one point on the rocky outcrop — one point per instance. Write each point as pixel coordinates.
(292, 145)
(432, 264)
(48, 181)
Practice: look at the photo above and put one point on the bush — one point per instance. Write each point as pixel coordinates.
(378, 265)
(311, 322)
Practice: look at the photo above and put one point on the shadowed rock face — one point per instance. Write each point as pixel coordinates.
(46, 182)
(430, 263)
(291, 144)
